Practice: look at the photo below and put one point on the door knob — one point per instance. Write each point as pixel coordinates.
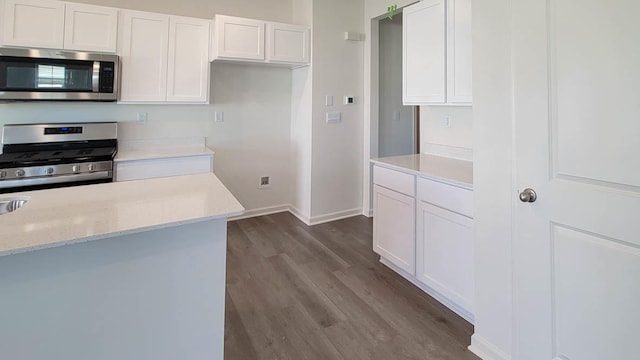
(528, 196)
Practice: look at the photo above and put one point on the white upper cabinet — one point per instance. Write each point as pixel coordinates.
(33, 23)
(90, 28)
(424, 55)
(163, 58)
(288, 43)
(188, 72)
(143, 49)
(59, 25)
(437, 53)
(240, 39)
(459, 82)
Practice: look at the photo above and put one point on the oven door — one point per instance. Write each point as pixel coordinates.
(56, 75)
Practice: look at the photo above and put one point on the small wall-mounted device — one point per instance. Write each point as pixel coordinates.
(353, 36)
(349, 100)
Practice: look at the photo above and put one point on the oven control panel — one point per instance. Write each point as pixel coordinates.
(54, 170)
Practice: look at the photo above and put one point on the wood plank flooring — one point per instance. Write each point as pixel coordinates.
(299, 292)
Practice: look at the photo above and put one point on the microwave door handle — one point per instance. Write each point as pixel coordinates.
(96, 77)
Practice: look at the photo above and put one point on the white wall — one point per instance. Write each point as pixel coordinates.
(492, 168)
(337, 148)
(254, 138)
(301, 123)
(455, 141)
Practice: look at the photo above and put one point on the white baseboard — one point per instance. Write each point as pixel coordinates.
(434, 294)
(297, 213)
(315, 220)
(485, 350)
(261, 212)
(369, 213)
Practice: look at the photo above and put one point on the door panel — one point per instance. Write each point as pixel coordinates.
(143, 54)
(424, 54)
(594, 283)
(444, 243)
(594, 95)
(394, 227)
(576, 249)
(188, 65)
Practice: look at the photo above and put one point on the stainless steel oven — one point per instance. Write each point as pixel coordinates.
(42, 156)
(57, 75)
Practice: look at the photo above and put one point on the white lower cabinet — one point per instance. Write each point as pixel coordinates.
(393, 228)
(424, 230)
(162, 167)
(444, 244)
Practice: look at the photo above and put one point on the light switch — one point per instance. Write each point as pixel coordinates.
(329, 100)
(334, 117)
(396, 116)
(218, 116)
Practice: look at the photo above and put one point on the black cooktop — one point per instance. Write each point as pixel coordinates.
(23, 155)
(36, 158)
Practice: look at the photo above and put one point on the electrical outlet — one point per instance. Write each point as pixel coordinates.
(265, 182)
(142, 118)
(446, 122)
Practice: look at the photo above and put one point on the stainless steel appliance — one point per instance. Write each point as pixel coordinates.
(40, 156)
(57, 75)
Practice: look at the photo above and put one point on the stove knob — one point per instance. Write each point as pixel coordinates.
(3, 174)
(20, 173)
(49, 171)
(75, 168)
(92, 167)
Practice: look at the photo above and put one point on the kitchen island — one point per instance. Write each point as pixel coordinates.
(127, 270)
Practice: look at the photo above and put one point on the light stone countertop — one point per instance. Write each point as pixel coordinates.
(452, 171)
(64, 216)
(133, 150)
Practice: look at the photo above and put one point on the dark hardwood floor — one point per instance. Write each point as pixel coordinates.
(299, 292)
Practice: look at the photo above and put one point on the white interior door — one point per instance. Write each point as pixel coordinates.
(577, 119)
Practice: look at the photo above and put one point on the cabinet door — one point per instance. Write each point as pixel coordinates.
(33, 23)
(424, 55)
(288, 43)
(143, 49)
(394, 228)
(459, 82)
(444, 242)
(90, 28)
(188, 76)
(239, 38)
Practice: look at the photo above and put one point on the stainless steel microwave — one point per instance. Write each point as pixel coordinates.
(57, 75)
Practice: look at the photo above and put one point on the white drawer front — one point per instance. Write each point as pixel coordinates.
(446, 196)
(155, 168)
(394, 180)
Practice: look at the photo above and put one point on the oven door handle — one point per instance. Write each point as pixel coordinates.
(45, 180)
(95, 78)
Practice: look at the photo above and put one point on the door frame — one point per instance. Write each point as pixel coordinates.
(372, 98)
